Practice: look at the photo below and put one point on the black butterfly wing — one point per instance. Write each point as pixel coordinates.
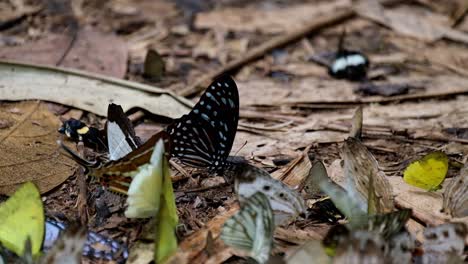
(121, 135)
(204, 137)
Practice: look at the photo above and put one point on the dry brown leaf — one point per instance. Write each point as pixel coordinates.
(266, 20)
(29, 149)
(428, 202)
(411, 21)
(90, 51)
(453, 8)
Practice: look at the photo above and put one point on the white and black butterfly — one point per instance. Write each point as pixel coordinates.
(204, 137)
(121, 137)
(348, 64)
(118, 138)
(251, 229)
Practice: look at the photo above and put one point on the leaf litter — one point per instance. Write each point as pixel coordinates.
(312, 111)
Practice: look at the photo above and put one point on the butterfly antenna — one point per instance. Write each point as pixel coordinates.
(341, 40)
(73, 155)
(243, 145)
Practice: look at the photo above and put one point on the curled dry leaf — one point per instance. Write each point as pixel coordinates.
(29, 149)
(86, 91)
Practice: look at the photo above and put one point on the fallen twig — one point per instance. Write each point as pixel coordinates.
(81, 201)
(260, 51)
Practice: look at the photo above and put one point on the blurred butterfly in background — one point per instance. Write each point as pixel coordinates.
(364, 179)
(348, 64)
(68, 248)
(348, 204)
(445, 243)
(204, 137)
(286, 203)
(251, 229)
(96, 246)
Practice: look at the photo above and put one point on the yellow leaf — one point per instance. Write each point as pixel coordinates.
(22, 216)
(428, 172)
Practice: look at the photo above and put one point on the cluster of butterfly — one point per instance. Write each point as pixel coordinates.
(375, 232)
(204, 138)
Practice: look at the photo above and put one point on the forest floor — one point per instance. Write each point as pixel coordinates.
(415, 99)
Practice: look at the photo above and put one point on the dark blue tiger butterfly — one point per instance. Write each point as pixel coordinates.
(204, 137)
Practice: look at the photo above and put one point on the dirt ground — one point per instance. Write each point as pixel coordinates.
(414, 99)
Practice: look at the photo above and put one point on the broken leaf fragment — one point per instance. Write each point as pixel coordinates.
(22, 218)
(427, 173)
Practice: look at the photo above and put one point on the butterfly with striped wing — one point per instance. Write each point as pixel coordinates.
(204, 137)
(252, 228)
(121, 137)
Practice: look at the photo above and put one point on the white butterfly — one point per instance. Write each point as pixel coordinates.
(286, 203)
(251, 229)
